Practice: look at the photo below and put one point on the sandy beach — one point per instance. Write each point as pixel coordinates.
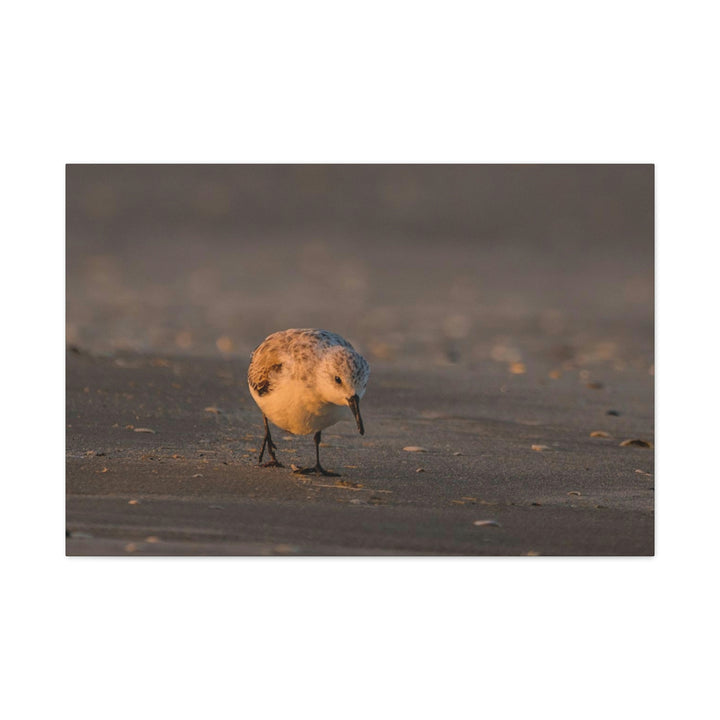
(509, 465)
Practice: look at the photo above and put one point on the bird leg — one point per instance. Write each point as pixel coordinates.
(318, 469)
(271, 448)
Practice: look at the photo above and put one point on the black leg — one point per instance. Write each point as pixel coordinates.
(319, 469)
(317, 448)
(271, 447)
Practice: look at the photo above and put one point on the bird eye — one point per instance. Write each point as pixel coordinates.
(338, 380)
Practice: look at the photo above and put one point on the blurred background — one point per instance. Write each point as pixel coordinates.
(412, 263)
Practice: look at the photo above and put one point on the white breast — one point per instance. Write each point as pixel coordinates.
(292, 406)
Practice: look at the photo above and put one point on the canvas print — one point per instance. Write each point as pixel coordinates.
(349, 360)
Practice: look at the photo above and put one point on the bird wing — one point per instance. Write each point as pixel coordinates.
(264, 366)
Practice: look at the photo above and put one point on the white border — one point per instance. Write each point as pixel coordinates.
(391, 82)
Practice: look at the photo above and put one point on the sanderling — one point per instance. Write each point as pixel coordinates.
(305, 381)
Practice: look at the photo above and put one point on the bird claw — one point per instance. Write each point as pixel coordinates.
(317, 470)
(272, 463)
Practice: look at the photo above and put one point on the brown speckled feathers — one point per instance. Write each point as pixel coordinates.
(267, 359)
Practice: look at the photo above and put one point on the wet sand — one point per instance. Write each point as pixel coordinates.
(193, 487)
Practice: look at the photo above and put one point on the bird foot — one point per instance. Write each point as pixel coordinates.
(271, 463)
(317, 470)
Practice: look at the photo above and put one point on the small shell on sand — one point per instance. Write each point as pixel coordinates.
(414, 448)
(599, 433)
(636, 443)
(487, 523)
(540, 448)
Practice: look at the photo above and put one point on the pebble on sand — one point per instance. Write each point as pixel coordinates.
(414, 448)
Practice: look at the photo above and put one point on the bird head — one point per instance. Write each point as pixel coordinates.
(342, 378)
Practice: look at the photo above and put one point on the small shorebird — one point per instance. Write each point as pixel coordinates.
(305, 381)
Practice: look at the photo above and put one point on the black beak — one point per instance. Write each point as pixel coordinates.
(354, 403)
